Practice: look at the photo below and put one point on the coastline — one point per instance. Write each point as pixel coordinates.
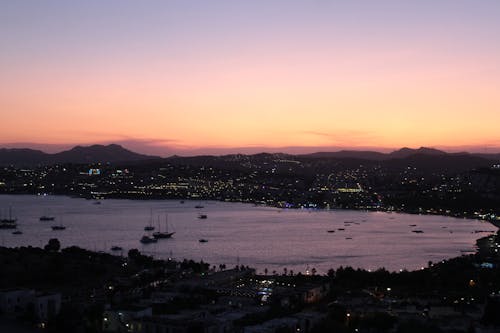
(338, 260)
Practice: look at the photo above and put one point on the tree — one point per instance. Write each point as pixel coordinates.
(53, 245)
(133, 253)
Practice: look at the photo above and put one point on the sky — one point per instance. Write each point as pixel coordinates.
(190, 77)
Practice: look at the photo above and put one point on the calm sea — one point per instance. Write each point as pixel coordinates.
(260, 237)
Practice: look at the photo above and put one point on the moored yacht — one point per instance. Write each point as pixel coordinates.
(147, 239)
(166, 234)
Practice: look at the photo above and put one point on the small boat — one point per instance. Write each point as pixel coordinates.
(97, 202)
(147, 240)
(203, 240)
(348, 238)
(341, 229)
(417, 231)
(198, 206)
(116, 248)
(8, 223)
(47, 218)
(17, 232)
(330, 231)
(150, 226)
(182, 201)
(58, 227)
(412, 225)
(202, 216)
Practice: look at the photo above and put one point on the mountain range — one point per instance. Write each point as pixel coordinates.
(117, 154)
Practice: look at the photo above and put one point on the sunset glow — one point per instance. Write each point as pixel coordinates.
(192, 75)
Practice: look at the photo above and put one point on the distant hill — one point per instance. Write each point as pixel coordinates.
(22, 157)
(406, 152)
(421, 157)
(364, 155)
(402, 153)
(445, 162)
(91, 154)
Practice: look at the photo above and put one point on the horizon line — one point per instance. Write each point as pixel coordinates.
(168, 151)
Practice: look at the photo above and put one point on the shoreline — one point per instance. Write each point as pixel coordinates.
(472, 244)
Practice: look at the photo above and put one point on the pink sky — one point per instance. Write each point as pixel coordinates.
(188, 77)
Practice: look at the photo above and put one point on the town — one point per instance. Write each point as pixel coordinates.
(456, 185)
(72, 289)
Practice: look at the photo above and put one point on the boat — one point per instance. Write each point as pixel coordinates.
(97, 202)
(202, 216)
(58, 227)
(203, 240)
(150, 227)
(199, 206)
(159, 235)
(417, 231)
(116, 248)
(47, 218)
(330, 231)
(17, 232)
(10, 222)
(162, 235)
(7, 225)
(182, 201)
(147, 240)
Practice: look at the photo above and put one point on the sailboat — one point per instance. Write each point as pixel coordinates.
(47, 217)
(58, 227)
(150, 227)
(8, 223)
(166, 234)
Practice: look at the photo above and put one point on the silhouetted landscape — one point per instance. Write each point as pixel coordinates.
(228, 166)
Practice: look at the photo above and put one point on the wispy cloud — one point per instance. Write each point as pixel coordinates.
(345, 137)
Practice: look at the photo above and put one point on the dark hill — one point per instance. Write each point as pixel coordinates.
(364, 155)
(406, 152)
(445, 163)
(21, 156)
(92, 154)
(98, 153)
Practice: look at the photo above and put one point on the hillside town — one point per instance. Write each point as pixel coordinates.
(58, 290)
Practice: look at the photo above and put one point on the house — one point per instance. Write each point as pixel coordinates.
(15, 300)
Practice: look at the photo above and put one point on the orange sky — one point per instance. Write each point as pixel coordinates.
(313, 81)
